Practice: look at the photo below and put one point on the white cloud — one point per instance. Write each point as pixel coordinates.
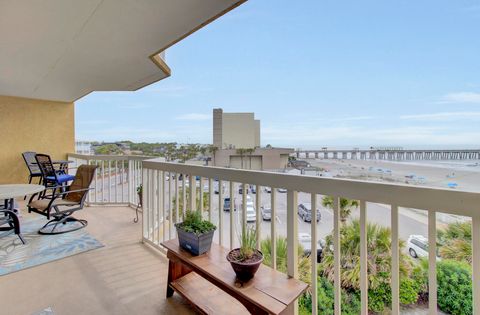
(443, 116)
(194, 117)
(461, 97)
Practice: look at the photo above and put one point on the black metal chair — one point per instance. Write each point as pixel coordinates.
(33, 168)
(51, 177)
(65, 203)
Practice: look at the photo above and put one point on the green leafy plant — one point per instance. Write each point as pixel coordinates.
(346, 206)
(193, 223)
(454, 281)
(140, 189)
(304, 263)
(325, 296)
(456, 241)
(379, 265)
(248, 243)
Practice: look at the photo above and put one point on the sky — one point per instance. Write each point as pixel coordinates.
(316, 73)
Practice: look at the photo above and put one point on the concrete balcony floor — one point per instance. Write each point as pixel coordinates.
(123, 277)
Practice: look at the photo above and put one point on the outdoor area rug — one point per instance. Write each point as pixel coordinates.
(40, 249)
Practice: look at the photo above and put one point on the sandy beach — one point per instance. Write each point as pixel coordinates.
(457, 175)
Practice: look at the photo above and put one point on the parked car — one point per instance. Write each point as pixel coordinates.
(251, 213)
(215, 187)
(253, 189)
(266, 213)
(417, 246)
(306, 240)
(305, 212)
(268, 190)
(240, 189)
(227, 204)
(282, 190)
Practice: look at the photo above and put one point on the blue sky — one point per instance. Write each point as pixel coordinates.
(316, 73)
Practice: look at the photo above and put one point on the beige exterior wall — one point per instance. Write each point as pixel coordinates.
(33, 125)
(262, 159)
(235, 130)
(238, 130)
(257, 133)
(217, 127)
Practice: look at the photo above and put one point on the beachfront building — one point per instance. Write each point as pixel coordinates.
(54, 53)
(238, 140)
(235, 130)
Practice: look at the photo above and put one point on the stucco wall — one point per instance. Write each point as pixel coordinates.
(265, 159)
(32, 125)
(238, 129)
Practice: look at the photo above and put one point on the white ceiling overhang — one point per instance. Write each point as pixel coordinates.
(64, 49)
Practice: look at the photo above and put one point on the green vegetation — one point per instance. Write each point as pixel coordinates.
(206, 205)
(346, 206)
(454, 280)
(456, 242)
(412, 282)
(108, 149)
(248, 243)
(454, 274)
(169, 150)
(350, 300)
(304, 263)
(193, 223)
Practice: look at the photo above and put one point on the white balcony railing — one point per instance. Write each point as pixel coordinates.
(165, 188)
(116, 179)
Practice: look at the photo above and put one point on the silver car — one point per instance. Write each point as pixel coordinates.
(305, 212)
(266, 213)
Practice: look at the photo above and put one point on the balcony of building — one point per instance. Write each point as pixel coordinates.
(69, 49)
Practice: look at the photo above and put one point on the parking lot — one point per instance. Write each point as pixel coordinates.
(376, 213)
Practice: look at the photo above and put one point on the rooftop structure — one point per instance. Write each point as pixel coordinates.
(235, 130)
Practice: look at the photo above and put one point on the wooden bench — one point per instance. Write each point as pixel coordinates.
(208, 282)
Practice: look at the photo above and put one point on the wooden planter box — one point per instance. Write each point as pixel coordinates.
(195, 244)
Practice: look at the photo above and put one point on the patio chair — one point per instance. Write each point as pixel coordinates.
(33, 169)
(61, 205)
(51, 177)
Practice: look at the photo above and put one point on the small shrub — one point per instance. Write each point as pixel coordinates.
(194, 223)
(351, 303)
(379, 297)
(454, 280)
(408, 291)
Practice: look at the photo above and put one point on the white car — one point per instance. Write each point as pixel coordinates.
(251, 213)
(305, 240)
(417, 246)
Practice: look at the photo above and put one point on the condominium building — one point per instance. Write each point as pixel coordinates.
(235, 130)
(237, 137)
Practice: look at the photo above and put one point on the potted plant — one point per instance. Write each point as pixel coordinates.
(195, 234)
(246, 259)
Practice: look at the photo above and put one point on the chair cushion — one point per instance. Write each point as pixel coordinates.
(42, 204)
(61, 178)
